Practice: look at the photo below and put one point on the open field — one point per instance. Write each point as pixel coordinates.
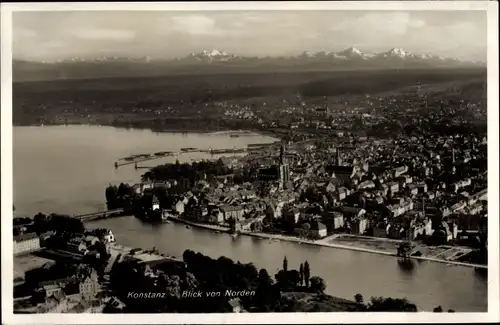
(226, 86)
(105, 101)
(27, 262)
(390, 245)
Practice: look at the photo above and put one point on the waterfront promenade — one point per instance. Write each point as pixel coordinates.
(200, 225)
(325, 242)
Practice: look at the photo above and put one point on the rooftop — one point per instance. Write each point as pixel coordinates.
(25, 237)
(26, 263)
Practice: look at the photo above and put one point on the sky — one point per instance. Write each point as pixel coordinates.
(56, 35)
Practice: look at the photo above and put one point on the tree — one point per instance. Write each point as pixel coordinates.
(301, 272)
(264, 278)
(123, 190)
(318, 284)
(359, 298)
(306, 226)
(190, 282)
(63, 223)
(111, 197)
(100, 247)
(438, 309)
(20, 221)
(267, 296)
(171, 285)
(40, 223)
(293, 277)
(285, 264)
(288, 279)
(307, 273)
(391, 304)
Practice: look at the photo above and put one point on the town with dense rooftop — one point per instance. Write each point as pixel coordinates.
(401, 174)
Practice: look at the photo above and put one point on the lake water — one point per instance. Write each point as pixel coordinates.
(65, 169)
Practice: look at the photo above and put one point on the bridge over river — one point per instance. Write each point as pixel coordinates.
(100, 215)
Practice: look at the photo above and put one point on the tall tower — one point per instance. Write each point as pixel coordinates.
(284, 169)
(282, 154)
(339, 159)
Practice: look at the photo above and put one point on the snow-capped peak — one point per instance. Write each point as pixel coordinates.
(213, 53)
(352, 51)
(309, 54)
(397, 52)
(425, 56)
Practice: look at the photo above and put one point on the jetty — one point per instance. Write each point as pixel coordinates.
(135, 159)
(199, 225)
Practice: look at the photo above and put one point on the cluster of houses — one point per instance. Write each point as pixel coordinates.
(79, 293)
(80, 244)
(84, 244)
(410, 189)
(76, 294)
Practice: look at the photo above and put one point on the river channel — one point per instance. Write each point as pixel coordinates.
(65, 169)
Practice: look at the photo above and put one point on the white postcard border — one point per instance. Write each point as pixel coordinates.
(250, 318)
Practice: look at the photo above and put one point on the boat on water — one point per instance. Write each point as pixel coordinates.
(234, 135)
(234, 235)
(187, 227)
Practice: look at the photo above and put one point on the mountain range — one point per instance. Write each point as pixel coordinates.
(217, 61)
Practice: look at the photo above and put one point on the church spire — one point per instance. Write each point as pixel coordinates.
(282, 154)
(284, 169)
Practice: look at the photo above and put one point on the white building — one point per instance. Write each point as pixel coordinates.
(26, 243)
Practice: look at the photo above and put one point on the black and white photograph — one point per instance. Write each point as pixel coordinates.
(257, 162)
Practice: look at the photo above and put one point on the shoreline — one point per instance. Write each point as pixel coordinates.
(244, 132)
(199, 225)
(322, 243)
